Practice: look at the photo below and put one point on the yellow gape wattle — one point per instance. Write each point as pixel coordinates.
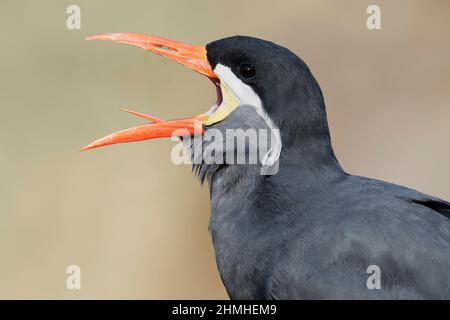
(229, 103)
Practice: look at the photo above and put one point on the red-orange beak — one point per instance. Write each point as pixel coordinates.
(193, 57)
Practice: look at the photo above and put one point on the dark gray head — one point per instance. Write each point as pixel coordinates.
(283, 82)
(282, 91)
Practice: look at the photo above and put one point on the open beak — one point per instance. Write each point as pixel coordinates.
(193, 57)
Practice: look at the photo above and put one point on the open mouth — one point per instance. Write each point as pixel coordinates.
(219, 98)
(193, 57)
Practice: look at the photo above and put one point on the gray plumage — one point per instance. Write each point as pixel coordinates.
(312, 230)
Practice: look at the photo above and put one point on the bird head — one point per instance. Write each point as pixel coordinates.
(246, 72)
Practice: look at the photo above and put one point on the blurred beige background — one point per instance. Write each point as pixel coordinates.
(135, 223)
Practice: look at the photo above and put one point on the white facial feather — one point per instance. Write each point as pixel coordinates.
(247, 96)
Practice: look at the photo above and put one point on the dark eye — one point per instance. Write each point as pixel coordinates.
(247, 70)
